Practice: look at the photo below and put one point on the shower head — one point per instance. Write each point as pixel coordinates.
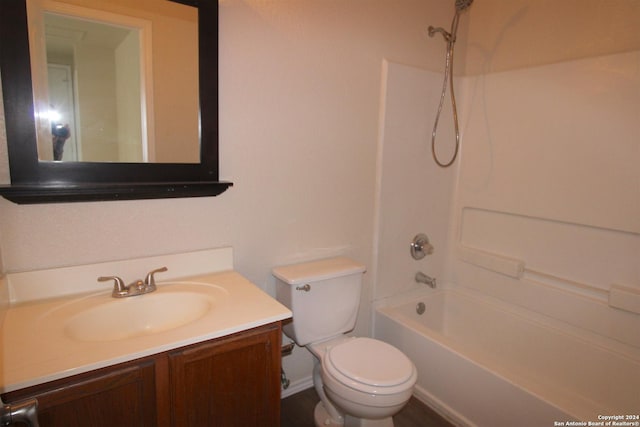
(462, 4)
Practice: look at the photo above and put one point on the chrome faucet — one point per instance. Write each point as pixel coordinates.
(150, 280)
(427, 280)
(138, 287)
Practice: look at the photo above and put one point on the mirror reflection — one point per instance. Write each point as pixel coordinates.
(94, 91)
(116, 81)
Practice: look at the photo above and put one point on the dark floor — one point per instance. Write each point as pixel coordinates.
(297, 411)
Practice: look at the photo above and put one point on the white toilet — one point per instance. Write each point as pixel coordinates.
(361, 381)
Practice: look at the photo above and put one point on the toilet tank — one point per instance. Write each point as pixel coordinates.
(323, 295)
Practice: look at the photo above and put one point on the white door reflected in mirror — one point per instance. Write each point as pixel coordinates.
(64, 133)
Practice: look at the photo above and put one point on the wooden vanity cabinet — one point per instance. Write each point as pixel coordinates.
(229, 381)
(123, 395)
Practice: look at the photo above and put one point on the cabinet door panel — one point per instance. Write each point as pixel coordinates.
(123, 397)
(229, 382)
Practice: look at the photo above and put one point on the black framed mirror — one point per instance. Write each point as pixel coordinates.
(37, 181)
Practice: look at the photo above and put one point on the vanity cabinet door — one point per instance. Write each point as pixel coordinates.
(117, 396)
(232, 381)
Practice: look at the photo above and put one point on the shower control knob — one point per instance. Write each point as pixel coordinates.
(420, 246)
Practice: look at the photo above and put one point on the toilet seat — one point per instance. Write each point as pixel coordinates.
(370, 366)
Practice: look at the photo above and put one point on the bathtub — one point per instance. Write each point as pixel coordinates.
(488, 364)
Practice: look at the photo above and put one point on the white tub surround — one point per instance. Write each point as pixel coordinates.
(625, 298)
(482, 362)
(38, 344)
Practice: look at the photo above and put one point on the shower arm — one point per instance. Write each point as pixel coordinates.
(449, 36)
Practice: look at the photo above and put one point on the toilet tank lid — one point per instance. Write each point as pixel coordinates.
(313, 271)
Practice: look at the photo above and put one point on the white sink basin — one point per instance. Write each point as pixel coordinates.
(53, 338)
(103, 318)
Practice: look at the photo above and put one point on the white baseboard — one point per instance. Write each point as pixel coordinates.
(297, 386)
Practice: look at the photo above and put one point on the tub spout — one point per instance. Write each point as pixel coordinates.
(427, 280)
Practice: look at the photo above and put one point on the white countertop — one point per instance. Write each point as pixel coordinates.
(37, 348)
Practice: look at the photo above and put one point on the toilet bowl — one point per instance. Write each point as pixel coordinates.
(360, 381)
(367, 381)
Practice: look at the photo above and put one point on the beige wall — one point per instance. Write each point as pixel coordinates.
(96, 84)
(504, 35)
(175, 88)
(128, 83)
(300, 85)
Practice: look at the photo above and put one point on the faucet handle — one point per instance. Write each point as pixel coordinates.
(24, 411)
(150, 280)
(420, 246)
(119, 288)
